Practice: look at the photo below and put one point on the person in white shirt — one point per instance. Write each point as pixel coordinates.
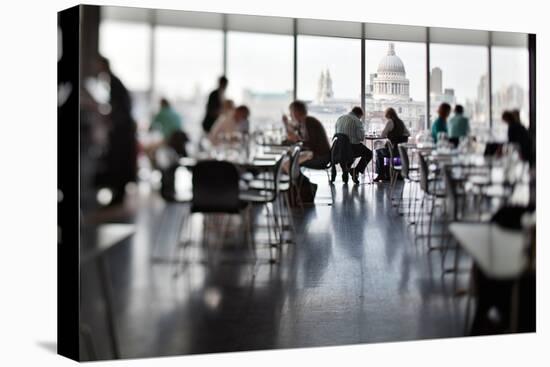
(234, 121)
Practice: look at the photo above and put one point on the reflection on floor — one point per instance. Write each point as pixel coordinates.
(354, 276)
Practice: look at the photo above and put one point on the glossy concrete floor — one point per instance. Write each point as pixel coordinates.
(354, 276)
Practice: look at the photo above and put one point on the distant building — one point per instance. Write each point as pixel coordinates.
(388, 87)
(436, 81)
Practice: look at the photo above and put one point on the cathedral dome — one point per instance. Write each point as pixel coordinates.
(391, 63)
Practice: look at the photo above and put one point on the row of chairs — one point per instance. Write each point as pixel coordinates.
(221, 189)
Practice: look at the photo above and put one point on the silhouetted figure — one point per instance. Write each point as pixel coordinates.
(440, 124)
(459, 125)
(351, 125)
(311, 132)
(396, 132)
(214, 105)
(316, 153)
(234, 121)
(167, 121)
(517, 133)
(121, 156)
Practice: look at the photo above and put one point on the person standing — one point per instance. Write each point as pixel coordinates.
(440, 124)
(121, 156)
(459, 126)
(214, 105)
(351, 125)
(517, 133)
(396, 132)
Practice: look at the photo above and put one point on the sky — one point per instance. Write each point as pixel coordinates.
(188, 58)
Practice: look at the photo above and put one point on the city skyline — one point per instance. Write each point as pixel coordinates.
(181, 72)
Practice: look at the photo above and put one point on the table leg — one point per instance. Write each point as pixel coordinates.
(106, 290)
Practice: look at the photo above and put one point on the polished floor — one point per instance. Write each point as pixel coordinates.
(354, 276)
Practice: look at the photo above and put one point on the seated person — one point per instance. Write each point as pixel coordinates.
(517, 133)
(440, 124)
(458, 126)
(311, 132)
(396, 132)
(167, 120)
(232, 121)
(351, 125)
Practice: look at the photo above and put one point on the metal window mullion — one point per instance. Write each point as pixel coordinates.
(428, 78)
(295, 60)
(224, 30)
(490, 78)
(152, 60)
(363, 71)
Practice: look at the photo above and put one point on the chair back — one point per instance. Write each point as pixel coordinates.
(451, 192)
(423, 173)
(341, 151)
(295, 164)
(404, 156)
(390, 148)
(215, 187)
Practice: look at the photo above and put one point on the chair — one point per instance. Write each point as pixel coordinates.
(267, 198)
(432, 191)
(341, 153)
(410, 175)
(216, 191)
(266, 182)
(395, 169)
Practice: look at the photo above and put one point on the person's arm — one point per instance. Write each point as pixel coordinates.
(155, 124)
(360, 130)
(387, 129)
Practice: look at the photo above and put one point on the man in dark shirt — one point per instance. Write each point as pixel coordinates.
(121, 156)
(517, 133)
(311, 132)
(214, 105)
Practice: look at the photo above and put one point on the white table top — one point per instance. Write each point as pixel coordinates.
(497, 251)
(95, 241)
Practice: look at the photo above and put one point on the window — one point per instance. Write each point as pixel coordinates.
(459, 76)
(188, 63)
(329, 76)
(259, 69)
(127, 46)
(395, 77)
(510, 82)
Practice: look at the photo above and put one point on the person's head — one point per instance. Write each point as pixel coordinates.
(508, 117)
(444, 110)
(222, 82)
(228, 105)
(164, 103)
(390, 114)
(298, 111)
(515, 113)
(102, 65)
(241, 113)
(459, 110)
(357, 111)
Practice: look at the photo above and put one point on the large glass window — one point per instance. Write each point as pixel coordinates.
(459, 76)
(127, 46)
(329, 76)
(188, 63)
(395, 77)
(259, 69)
(510, 79)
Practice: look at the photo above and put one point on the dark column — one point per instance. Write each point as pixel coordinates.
(68, 277)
